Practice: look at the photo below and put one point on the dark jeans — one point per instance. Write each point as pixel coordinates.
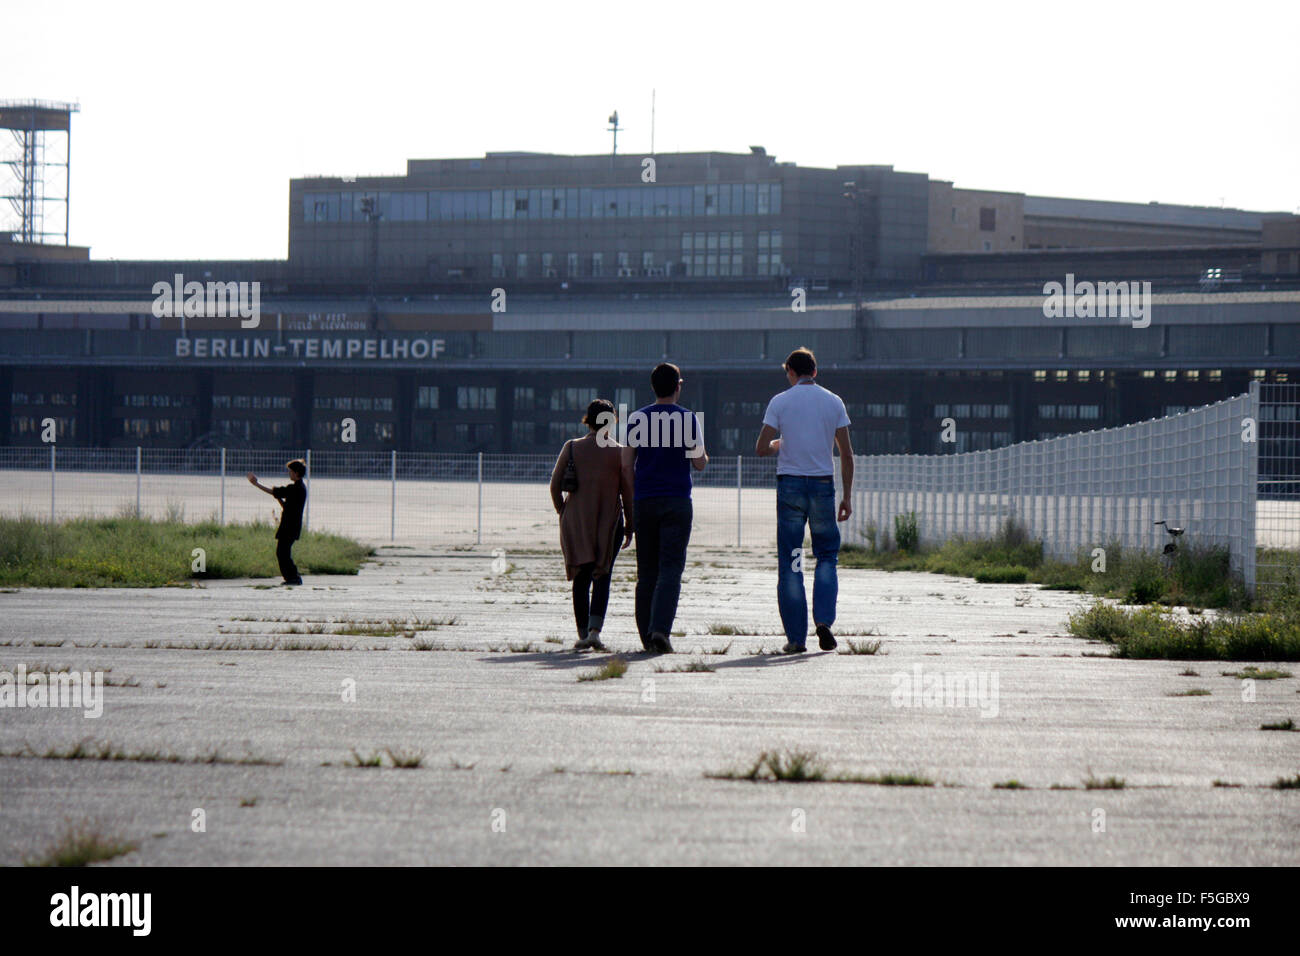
(663, 529)
(591, 595)
(284, 554)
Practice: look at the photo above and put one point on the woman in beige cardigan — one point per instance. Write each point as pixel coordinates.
(593, 518)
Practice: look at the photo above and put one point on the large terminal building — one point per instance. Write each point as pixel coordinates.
(479, 304)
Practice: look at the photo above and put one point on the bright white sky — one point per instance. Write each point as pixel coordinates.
(194, 116)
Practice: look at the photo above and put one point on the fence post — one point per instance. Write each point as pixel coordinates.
(223, 487)
(306, 515)
(138, 456)
(52, 446)
(738, 484)
(392, 528)
(479, 523)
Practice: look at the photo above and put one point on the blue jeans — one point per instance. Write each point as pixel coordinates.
(801, 501)
(663, 529)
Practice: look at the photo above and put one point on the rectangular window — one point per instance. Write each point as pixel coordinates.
(521, 265)
(597, 264)
(572, 269)
(988, 219)
(523, 433)
(426, 396)
(476, 397)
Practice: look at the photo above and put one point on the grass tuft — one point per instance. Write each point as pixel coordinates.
(82, 845)
(1109, 783)
(1287, 724)
(614, 667)
(861, 647)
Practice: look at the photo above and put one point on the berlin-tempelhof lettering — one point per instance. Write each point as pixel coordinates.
(368, 349)
(70, 689)
(210, 300)
(1098, 300)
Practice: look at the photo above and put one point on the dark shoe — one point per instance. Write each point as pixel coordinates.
(825, 638)
(660, 644)
(294, 581)
(793, 648)
(590, 642)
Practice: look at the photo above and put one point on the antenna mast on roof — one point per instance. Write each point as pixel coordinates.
(613, 128)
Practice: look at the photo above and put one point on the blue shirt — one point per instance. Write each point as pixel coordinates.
(661, 435)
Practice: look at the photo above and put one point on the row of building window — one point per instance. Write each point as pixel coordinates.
(255, 429)
(625, 266)
(165, 400)
(43, 398)
(31, 427)
(162, 429)
(965, 411)
(1084, 412)
(255, 402)
(1168, 375)
(353, 403)
(637, 202)
(383, 432)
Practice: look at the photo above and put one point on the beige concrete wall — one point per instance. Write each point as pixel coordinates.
(955, 220)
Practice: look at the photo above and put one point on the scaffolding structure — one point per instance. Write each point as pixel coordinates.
(35, 170)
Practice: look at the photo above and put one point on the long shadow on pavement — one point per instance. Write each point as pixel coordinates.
(568, 660)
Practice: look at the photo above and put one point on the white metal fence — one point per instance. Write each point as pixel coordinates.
(1196, 471)
(1083, 491)
(412, 498)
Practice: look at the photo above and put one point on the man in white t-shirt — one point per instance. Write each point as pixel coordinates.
(811, 422)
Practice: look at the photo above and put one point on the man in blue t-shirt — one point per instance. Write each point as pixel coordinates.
(811, 422)
(664, 441)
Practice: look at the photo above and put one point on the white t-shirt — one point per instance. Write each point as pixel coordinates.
(806, 417)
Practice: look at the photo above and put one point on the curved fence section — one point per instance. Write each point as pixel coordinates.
(1197, 471)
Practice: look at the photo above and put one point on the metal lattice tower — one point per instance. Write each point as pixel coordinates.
(36, 169)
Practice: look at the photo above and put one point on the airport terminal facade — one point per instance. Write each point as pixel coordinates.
(387, 311)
